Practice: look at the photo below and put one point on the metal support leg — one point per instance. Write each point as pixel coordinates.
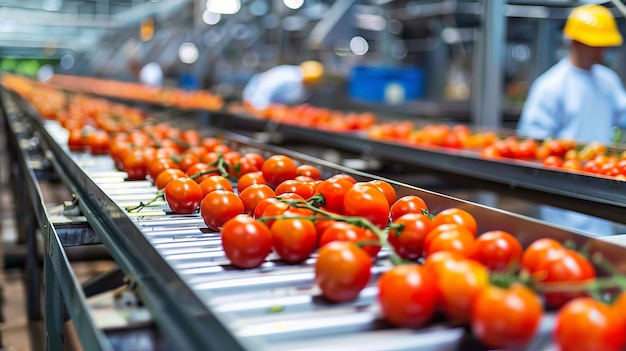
(104, 282)
(54, 308)
(33, 271)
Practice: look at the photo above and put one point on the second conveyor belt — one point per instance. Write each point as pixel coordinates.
(595, 195)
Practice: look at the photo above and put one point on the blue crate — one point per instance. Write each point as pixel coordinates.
(376, 83)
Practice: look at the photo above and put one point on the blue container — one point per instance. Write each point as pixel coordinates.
(386, 84)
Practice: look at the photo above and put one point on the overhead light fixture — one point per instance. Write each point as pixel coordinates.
(211, 18)
(359, 46)
(293, 4)
(188, 53)
(224, 7)
(45, 73)
(67, 61)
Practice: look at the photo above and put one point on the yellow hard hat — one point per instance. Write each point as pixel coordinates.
(592, 25)
(312, 71)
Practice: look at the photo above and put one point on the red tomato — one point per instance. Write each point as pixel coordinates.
(218, 207)
(498, 250)
(448, 231)
(367, 202)
(288, 186)
(252, 195)
(183, 195)
(334, 192)
(134, 164)
(256, 159)
(97, 142)
(456, 240)
(262, 206)
(537, 251)
(386, 189)
(167, 176)
(562, 265)
(437, 261)
(221, 149)
(407, 204)
(527, 149)
(277, 169)
(619, 305)
(342, 270)
(506, 318)
(585, 324)
(294, 240)
(408, 295)
(553, 161)
(75, 140)
(210, 143)
(187, 160)
(157, 166)
(215, 182)
(342, 231)
(408, 243)
(458, 216)
(490, 152)
(246, 242)
(344, 177)
(459, 282)
(250, 178)
(200, 171)
(242, 166)
(309, 171)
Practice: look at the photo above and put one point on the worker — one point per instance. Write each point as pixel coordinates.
(578, 99)
(285, 84)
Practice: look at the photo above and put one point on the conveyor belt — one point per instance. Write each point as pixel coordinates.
(595, 195)
(203, 303)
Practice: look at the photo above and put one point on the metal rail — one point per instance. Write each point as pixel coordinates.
(203, 303)
(595, 195)
(61, 286)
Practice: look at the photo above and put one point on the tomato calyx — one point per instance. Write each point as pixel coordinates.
(219, 166)
(428, 214)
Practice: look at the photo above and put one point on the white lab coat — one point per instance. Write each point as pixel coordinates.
(281, 85)
(568, 102)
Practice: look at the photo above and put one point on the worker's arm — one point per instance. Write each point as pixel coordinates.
(541, 114)
(620, 104)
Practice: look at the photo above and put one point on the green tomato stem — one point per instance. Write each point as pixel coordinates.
(357, 221)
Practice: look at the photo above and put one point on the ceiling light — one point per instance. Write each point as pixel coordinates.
(188, 53)
(67, 61)
(211, 18)
(224, 7)
(45, 73)
(293, 4)
(359, 46)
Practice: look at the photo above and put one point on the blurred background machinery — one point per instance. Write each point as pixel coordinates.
(446, 59)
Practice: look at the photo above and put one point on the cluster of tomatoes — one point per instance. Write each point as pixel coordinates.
(200, 99)
(443, 264)
(554, 153)
(457, 137)
(310, 116)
